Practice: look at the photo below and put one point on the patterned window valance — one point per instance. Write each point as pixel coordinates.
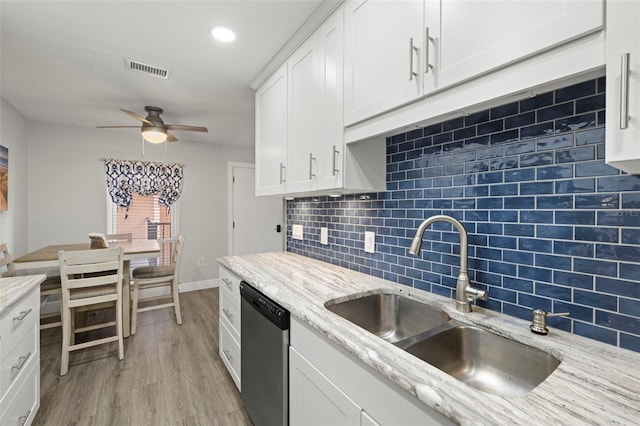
(126, 177)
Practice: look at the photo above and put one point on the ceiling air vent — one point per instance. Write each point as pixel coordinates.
(147, 69)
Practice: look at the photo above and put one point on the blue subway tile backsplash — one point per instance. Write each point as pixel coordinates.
(550, 224)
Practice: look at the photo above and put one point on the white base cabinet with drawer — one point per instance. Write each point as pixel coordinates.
(20, 361)
(328, 385)
(230, 323)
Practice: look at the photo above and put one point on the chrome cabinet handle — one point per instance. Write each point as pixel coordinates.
(412, 49)
(21, 362)
(23, 419)
(283, 175)
(227, 354)
(228, 313)
(22, 315)
(227, 282)
(427, 40)
(311, 174)
(624, 90)
(335, 153)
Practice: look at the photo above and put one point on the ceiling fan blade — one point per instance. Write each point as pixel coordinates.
(137, 117)
(187, 128)
(171, 138)
(117, 127)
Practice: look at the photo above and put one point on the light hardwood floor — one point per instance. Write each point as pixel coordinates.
(171, 374)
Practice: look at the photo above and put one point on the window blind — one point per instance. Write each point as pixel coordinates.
(146, 220)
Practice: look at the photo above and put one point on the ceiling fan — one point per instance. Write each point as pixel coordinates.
(153, 128)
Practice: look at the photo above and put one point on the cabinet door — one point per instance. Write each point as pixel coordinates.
(330, 151)
(314, 399)
(382, 68)
(497, 33)
(303, 116)
(271, 134)
(623, 127)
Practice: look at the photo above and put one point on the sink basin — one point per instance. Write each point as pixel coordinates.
(389, 316)
(486, 361)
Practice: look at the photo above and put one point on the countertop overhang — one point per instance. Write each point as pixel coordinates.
(594, 384)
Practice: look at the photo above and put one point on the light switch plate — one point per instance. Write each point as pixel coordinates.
(297, 232)
(324, 235)
(370, 242)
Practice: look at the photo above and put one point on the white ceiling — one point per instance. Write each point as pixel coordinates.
(64, 61)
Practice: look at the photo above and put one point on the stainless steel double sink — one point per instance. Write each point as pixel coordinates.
(480, 358)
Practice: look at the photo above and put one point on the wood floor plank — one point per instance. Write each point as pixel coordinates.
(171, 375)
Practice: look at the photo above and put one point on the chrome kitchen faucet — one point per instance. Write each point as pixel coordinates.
(465, 294)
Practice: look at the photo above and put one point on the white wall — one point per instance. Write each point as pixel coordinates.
(67, 188)
(13, 222)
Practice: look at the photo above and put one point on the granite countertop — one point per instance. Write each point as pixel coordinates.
(13, 289)
(594, 384)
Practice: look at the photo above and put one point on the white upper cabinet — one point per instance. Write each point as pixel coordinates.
(330, 152)
(469, 38)
(271, 134)
(383, 47)
(303, 75)
(623, 86)
(315, 110)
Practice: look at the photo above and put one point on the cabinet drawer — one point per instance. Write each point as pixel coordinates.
(19, 359)
(230, 353)
(21, 405)
(230, 281)
(230, 310)
(18, 321)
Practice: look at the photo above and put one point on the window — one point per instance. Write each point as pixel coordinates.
(147, 220)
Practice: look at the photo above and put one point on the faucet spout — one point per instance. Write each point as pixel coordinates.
(465, 294)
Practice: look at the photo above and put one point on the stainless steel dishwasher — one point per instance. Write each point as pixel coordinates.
(264, 357)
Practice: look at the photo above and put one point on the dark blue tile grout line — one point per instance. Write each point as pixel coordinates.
(550, 224)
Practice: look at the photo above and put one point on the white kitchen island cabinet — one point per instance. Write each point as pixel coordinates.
(623, 85)
(271, 134)
(230, 329)
(328, 382)
(19, 349)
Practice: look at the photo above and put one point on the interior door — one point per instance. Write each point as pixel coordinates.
(257, 222)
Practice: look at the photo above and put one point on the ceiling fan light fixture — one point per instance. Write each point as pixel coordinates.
(223, 34)
(154, 134)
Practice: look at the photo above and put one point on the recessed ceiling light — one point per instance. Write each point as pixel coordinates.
(223, 34)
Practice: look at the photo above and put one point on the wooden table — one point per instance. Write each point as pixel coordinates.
(47, 257)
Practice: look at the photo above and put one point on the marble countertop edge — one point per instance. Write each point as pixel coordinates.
(13, 289)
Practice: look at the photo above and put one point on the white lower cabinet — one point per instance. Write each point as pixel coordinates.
(328, 385)
(229, 318)
(314, 399)
(20, 361)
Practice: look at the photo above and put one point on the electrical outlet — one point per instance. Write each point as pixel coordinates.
(201, 261)
(297, 232)
(370, 242)
(324, 235)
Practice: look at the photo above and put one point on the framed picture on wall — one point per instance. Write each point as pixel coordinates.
(4, 178)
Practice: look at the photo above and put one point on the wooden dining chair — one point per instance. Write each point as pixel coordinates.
(158, 276)
(91, 279)
(49, 287)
